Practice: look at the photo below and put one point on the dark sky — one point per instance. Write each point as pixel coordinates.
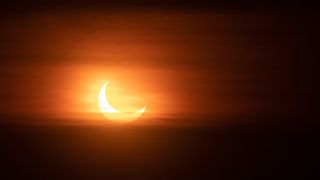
(231, 89)
(206, 59)
(162, 4)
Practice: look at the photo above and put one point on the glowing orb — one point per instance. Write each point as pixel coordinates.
(113, 114)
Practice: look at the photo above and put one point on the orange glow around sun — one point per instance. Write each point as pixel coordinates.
(130, 90)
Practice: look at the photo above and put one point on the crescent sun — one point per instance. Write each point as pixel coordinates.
(113, 114)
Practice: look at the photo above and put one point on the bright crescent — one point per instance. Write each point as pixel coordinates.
(113, 114)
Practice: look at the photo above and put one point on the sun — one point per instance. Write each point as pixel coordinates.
(114, 114)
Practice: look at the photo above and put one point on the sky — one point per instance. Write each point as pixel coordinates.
(231, 89)
(209, 61)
